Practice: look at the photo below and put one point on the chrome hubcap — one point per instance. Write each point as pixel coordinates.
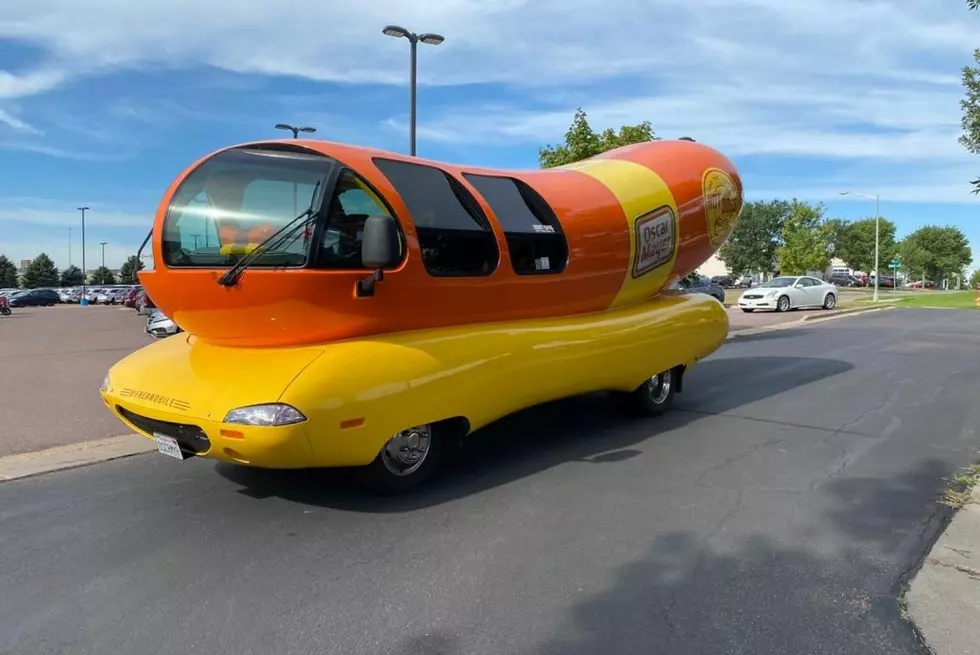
(405, 452)
(660, 387)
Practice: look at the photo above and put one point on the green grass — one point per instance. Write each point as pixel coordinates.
(960, 486)
(950, 299)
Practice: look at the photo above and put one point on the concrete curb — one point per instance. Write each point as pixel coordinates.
(943, 599)
(25, 465)
(809, 319)
(842, 312)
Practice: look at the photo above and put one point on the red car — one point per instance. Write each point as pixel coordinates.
(129, 300)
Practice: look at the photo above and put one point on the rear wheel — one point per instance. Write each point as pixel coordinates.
(406, 461)
(656, 395)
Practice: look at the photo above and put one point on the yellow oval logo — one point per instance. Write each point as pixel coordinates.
(722, 204)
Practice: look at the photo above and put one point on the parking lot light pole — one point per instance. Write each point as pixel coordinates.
(877, 221)
(413, 39)
(83, 300)
(102, 243)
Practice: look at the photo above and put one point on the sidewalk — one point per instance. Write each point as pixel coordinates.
(943, 600)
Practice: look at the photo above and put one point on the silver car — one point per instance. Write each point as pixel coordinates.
(159, 325)
(789, 292)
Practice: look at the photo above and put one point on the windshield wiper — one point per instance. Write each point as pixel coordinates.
(231, 276)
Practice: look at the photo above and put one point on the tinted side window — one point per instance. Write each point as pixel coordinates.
(352, 202)
(534, 235)
(454, 235)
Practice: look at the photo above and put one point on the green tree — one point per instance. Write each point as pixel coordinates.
(127, 272)
(40, 273)
(71, 277)
(8, 273)
(856, 244)
(970, 139)
(836, 228)
(581, 141)
(935, 251)
(806, 240)
(752, 246)
(975, 278)
(102, 275)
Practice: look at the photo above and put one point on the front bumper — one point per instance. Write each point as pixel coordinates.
(279, 447)
(757, 303)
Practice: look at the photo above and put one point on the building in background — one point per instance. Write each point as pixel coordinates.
(24, 263)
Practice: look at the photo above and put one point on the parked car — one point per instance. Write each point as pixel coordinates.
(743, 282)
(844, 280)
(144, 304)
(789, 292)
(129, 299)
(34, 298)
(699, 284)
(724, 281)
(159, 325)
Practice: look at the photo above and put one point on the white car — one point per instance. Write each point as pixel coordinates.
(160, 326)
(789, 292)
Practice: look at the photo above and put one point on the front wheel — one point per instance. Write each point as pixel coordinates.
(830, 301)
(5, 311)
(656, 395)
(782, 305)
(406, 461)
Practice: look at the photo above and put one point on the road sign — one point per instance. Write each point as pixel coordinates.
(894, 263)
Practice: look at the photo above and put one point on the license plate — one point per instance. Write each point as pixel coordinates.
(168, 446)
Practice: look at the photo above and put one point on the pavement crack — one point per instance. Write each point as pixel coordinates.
(748, 452)
(974, 574)
(786, 424)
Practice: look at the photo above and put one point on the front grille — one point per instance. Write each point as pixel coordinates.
(191, 438)
(751, 296)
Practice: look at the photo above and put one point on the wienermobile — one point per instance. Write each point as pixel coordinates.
(350, 307)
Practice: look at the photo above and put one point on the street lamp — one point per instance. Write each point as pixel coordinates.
(83, 300)
(69, 247)
(102, 243)
(877, 202)
(414, 39)
(295, 130)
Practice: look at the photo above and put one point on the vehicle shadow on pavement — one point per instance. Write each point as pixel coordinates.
(832, 582)
(592, 428)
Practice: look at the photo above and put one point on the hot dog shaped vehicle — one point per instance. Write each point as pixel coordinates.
(351, 307)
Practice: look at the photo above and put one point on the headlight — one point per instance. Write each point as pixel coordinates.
(770, 294)
(268, 415)
(105, 384)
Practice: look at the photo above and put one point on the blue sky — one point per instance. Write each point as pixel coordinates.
(103, 102)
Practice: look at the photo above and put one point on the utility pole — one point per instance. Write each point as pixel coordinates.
(69, 247)
(83, 301)
(413, 39)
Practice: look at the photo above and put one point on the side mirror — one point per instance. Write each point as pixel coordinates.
(379, 250)
(379, 243)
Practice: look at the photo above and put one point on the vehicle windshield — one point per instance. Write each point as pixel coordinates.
(778, 282)
(236, 200)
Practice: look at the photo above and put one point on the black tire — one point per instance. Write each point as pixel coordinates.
(656, 395)
(380, 476)
(830, 301)
(783, 304)
(5, 311)
(747, 310)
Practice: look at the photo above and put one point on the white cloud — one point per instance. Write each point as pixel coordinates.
(868, 81)
(8, 119)
(54, 213)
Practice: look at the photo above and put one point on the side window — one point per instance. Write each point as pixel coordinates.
(534, 236)
(352, 202)
(454, 235)
(806, 282)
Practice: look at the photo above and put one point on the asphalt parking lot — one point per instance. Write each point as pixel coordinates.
(52, 361)
(778, 509)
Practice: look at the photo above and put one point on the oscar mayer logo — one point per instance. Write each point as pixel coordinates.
(721, 204)
(656, 234)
